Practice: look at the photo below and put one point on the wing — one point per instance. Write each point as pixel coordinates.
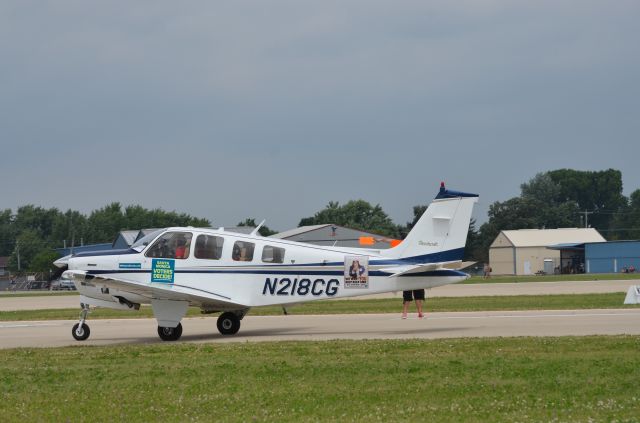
(158, 291)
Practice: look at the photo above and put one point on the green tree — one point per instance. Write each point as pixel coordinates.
(104, 224)
(596, 191)
(28, 245)
(7, 233)
(70, 227)
(626, 222)
(554, 200)
(264, 229)
(356, 214)
(43, 262)
(36, 219)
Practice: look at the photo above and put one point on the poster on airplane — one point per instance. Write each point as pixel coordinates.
(356, 272)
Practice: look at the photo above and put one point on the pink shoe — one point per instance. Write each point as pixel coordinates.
(404, 315)
(420, 315)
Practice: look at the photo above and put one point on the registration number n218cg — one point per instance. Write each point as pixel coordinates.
(304, 286)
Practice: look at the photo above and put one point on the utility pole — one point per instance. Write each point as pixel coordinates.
(18, 254)
(586, 217)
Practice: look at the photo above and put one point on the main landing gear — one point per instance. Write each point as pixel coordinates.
(229, 323)
(170, 334)
(81, 330)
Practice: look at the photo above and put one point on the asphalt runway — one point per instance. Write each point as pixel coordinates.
(35, 302)
(326, 327)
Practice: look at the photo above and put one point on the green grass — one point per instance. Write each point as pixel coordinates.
(555, 278)
(13, 294)
(453, 380)
(387, 305)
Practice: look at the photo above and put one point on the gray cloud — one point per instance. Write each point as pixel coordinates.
(227, 110)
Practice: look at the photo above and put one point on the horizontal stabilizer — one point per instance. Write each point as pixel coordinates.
(409, 269)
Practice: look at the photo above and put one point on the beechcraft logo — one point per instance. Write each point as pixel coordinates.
(428, 244)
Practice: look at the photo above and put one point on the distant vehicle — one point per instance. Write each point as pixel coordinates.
(63, 285)
(226, 272)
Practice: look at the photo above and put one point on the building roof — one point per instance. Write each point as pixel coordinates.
(83, 249)
(547, 237)
(298, 231)
(144, 232)
(129, 236)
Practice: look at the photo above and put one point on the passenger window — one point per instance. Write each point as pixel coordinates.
(173, 245)
(209, 247)
(243, 251)
(272, 254)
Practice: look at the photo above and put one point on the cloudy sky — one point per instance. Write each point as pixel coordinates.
(271, 109)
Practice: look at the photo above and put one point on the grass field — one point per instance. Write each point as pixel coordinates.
(387, 305)
(13, 294)
(476, 380)
(555, 278)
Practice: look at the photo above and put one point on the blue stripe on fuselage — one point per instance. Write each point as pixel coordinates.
(443, 272)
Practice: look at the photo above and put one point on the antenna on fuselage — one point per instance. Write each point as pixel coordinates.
(255, 231)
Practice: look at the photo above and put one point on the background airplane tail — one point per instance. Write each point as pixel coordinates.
(441, 232)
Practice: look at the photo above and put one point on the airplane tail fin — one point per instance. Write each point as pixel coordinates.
(441, 232)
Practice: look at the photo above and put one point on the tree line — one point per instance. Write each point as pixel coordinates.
(553, 199)
(29, 236)
(563, 198)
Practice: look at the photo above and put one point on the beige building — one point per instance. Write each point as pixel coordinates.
(523, 252)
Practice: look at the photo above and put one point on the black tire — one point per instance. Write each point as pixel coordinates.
(228, 323)
(170, 334)
(82, 333)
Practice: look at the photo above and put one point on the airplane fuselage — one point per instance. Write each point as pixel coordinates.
(304, 272)
(221, 271)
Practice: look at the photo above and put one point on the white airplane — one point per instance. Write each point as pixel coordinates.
(221, 271)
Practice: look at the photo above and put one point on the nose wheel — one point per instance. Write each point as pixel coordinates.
(80, 330)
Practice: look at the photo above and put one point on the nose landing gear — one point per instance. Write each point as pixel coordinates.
(80, 330)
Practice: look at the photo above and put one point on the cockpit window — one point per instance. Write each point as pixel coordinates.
(243, 251)
(209, 247)
(145, 240)
(175, 245)
(272, 254)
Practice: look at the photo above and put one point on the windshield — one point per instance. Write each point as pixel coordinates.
(140, 244)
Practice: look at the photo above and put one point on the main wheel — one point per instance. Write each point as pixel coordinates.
(228, 323)
(80, 333)
(170, 334)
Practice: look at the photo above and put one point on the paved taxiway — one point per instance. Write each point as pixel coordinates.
(8, 303)
(346, 326)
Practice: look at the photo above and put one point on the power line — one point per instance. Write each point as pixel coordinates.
(586, 217)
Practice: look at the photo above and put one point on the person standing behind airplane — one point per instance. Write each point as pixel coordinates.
(486, 271)
(407, 297)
